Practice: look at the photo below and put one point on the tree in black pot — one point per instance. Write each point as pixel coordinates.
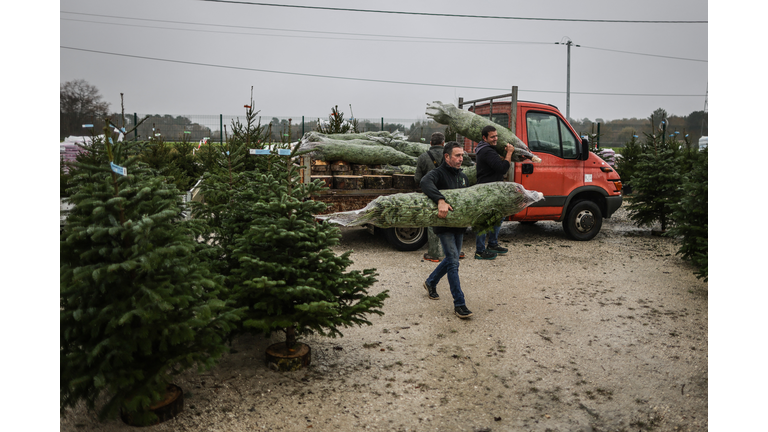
(139, 304)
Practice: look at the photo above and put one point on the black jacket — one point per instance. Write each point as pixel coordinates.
(490, 167)
(425, 164)
(443, 177)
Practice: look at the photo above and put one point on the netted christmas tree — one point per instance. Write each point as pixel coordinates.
(139, 304)
(288, 275)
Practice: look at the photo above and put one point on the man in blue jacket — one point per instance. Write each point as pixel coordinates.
(447, 176)
(491, 168)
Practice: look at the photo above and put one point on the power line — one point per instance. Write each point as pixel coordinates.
(409, 38)
(421, 39)
(459, 15)
(358, 79)
(645, 54)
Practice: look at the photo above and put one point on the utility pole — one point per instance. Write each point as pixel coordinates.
(706, 101)
(569, 44)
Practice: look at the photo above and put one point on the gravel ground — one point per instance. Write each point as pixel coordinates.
(605, 335)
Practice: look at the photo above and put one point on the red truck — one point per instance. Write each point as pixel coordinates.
(580, 189)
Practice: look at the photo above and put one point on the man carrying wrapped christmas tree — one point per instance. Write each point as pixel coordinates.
(447, 176)
(491, 168)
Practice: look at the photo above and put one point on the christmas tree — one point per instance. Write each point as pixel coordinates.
(288, 276)
(656, 182)
(691, 214)
(336, 123)
(220, 217)
(625, 166)
(139, 304)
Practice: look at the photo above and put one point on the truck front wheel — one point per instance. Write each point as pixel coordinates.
(583, 221)
(407, 239)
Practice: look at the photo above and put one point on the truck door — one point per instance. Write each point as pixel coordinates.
(559, 172)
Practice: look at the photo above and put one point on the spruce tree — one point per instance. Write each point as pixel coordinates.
(138, 302)
(221, 218)
(656, 183)
(691, 215)
(626, 165)
(288, 276)
(336, 123)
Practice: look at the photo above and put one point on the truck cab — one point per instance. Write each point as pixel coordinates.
(580, 188)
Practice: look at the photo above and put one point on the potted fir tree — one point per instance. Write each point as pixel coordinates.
(139, 304)
(287, 275)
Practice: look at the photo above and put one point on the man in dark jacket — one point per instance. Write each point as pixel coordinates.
(428, 161)
(491, 168)
(447, 176)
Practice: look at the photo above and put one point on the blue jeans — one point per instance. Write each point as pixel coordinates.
(493, 238)
(449, 266)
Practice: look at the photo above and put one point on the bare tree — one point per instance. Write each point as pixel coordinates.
(80, 101)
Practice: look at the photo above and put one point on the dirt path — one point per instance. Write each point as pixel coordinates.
(606, 335)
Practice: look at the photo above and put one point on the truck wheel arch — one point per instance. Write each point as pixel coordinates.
(586, 193)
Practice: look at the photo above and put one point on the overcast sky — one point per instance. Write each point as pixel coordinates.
(202, 57)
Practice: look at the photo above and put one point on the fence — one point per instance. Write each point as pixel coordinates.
(217, 128)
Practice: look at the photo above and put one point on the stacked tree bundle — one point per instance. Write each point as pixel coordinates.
(470, 125)
(355, 160)
(377, 154)
(480, 206)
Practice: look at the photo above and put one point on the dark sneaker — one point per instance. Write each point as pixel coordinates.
(462, 256)
(428, 257)
(462, 312)
(431, 292)
(486, 255)
(498, 249)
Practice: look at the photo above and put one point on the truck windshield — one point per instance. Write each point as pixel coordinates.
(547, 133)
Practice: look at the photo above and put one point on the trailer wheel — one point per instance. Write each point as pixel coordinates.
(583, 221)
(407, 239)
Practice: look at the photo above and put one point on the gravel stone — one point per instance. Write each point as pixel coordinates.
(609, 334)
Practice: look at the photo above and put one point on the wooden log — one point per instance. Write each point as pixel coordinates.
(403, 181)
(320, 169)
(281, 359)
(358, 169)
(348, 182)
(318, 162)
(340, 166)
(327, 179)
(378, 181)
(169, 407)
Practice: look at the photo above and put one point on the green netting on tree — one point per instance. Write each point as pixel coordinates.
(349, 151)
(471, 125)
(409, 148)
(317, 136)
(394, 169)
(480, 206)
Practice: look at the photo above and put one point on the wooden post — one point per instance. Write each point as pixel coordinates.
(306, 163)
(459, 138)
(513, 128)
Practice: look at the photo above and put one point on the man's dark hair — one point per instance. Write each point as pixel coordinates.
(449, 146)
(486, 130)
(437, 139)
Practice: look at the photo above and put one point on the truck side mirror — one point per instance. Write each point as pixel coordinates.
(584, 154)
